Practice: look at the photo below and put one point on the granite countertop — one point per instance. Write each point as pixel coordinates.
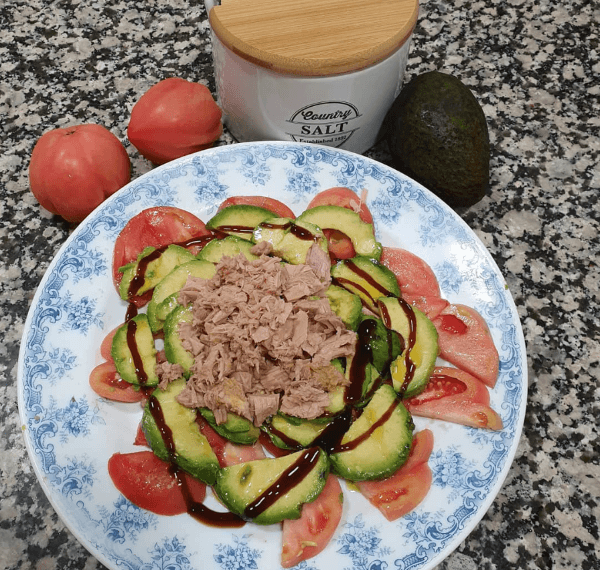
(534, 68)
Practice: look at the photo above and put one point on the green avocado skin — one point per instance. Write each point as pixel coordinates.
(437, 134)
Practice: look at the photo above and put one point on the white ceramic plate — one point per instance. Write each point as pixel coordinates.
(71, 433)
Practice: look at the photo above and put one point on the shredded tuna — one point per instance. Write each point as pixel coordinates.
(263, 337)
(168, 372)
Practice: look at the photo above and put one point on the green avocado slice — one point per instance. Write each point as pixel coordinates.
(348, 222)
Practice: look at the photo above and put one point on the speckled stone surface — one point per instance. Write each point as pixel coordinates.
(534, 68)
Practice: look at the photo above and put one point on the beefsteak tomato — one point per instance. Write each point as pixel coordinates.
(74, 169)
(174, 118)
(234, 453)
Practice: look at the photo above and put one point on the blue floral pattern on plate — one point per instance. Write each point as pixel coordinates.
(71, 433)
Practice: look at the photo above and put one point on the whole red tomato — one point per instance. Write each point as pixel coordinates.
(174, 118)
(73, 170)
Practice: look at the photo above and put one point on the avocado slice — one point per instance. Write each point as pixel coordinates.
(418, 360)
(174, 351)
(288, 432)
(345, 305)
(385, 344)
(188, 448)
(230, 246)
(291, 239)
(168, 289)
(378, 443)
(270, 490)
(239, 220)
(348, 222)
(236, 429)
(437, 134)
(367, 278)
(367, 380)
(337, 396)
(152, 272)
(134, 353)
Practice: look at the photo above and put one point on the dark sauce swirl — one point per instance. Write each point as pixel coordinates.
(409, 342)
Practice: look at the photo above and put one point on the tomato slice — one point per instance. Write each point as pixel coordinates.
(465, 341)
(228, 453)
(275, 206)
(157, 227)
(106, 346)
(140, 437)
(234, 453)
(402, 492)
(149, 483)
(455, 396)
(415, 277)
(344, 197)
(339, 244)
(106, 382)
(305, 537)
(430, 306)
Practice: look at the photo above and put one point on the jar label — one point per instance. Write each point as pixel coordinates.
(330, 123)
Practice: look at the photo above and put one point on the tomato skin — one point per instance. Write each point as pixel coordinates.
(275, 206)
(455, 396)
(305, 537)
(174, 118)
(157, 227)
(402, 492)
(74, 169)
(148, 482)
(105, 381)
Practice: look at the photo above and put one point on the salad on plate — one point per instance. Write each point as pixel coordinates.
(279, 361)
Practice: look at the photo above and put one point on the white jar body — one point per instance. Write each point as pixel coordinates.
(344, 111)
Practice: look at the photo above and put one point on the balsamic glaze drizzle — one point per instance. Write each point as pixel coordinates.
(293, 475)
(135, 353)
(194, 508)
(410, 341)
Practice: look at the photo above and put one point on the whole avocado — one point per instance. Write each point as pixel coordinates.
(437, 134)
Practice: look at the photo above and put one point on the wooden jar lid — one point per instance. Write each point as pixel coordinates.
(314, 37)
